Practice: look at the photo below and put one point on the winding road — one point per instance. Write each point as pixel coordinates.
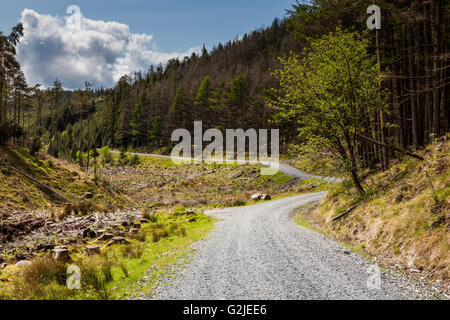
(281, 166)
(257, 252)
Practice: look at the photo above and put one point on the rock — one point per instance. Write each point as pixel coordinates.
(91, 250)
(3, 265)
(23, 263)
(266, 197)
(256, 197)
(88, 195)
(347, 252)
(144, 221)
(61, 255)
(105, 237)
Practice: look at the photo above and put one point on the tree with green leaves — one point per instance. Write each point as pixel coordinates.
(330, 92)
(137, 121)
(179, 111)
(238, 99)
(202, 100)
(8, 64)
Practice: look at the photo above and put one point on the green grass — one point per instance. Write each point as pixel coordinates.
(115, 273)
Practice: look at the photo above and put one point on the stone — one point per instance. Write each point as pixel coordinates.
(256, 197)
(3, 265)
(23, 263)
(266, 197)
(91, 250)
(61, 255)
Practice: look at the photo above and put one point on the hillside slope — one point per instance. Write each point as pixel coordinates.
(41, 182)
(400, 221)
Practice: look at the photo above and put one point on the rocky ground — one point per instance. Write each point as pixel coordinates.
(22, 237)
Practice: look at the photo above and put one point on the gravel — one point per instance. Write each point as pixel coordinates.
(257, 252)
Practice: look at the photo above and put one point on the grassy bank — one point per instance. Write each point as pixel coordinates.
(403, 219)
(116, 272)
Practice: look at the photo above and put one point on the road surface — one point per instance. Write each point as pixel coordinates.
(281, 166)
(257, 252)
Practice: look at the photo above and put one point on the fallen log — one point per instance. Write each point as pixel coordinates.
(49, 189)
(346, 212)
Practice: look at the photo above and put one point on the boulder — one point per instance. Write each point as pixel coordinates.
(23, 263)
(256, 197)
(91, 250)
(266, 197)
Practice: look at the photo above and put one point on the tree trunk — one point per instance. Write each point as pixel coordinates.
(436, 65)
(412, 86)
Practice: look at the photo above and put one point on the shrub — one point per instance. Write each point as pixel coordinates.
(106, 155)
(39, 280)
(134, 160)
(132, 250)
(159, 234)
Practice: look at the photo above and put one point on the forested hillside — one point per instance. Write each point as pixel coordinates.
(232, 87)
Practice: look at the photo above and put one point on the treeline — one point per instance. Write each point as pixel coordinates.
(225, 88)
(230, 87)
(413, 46)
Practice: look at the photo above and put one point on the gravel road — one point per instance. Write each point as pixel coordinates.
(281, 166)
(257, 252)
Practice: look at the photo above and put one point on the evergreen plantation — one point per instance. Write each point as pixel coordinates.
(235, 86)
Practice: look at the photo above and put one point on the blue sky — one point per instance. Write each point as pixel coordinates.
(176, 25)
(115, 38)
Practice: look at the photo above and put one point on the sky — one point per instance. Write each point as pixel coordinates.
(110, 38)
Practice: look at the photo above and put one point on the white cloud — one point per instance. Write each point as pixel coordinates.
(97, 51)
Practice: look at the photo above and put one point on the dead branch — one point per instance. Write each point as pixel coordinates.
(40, 184)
